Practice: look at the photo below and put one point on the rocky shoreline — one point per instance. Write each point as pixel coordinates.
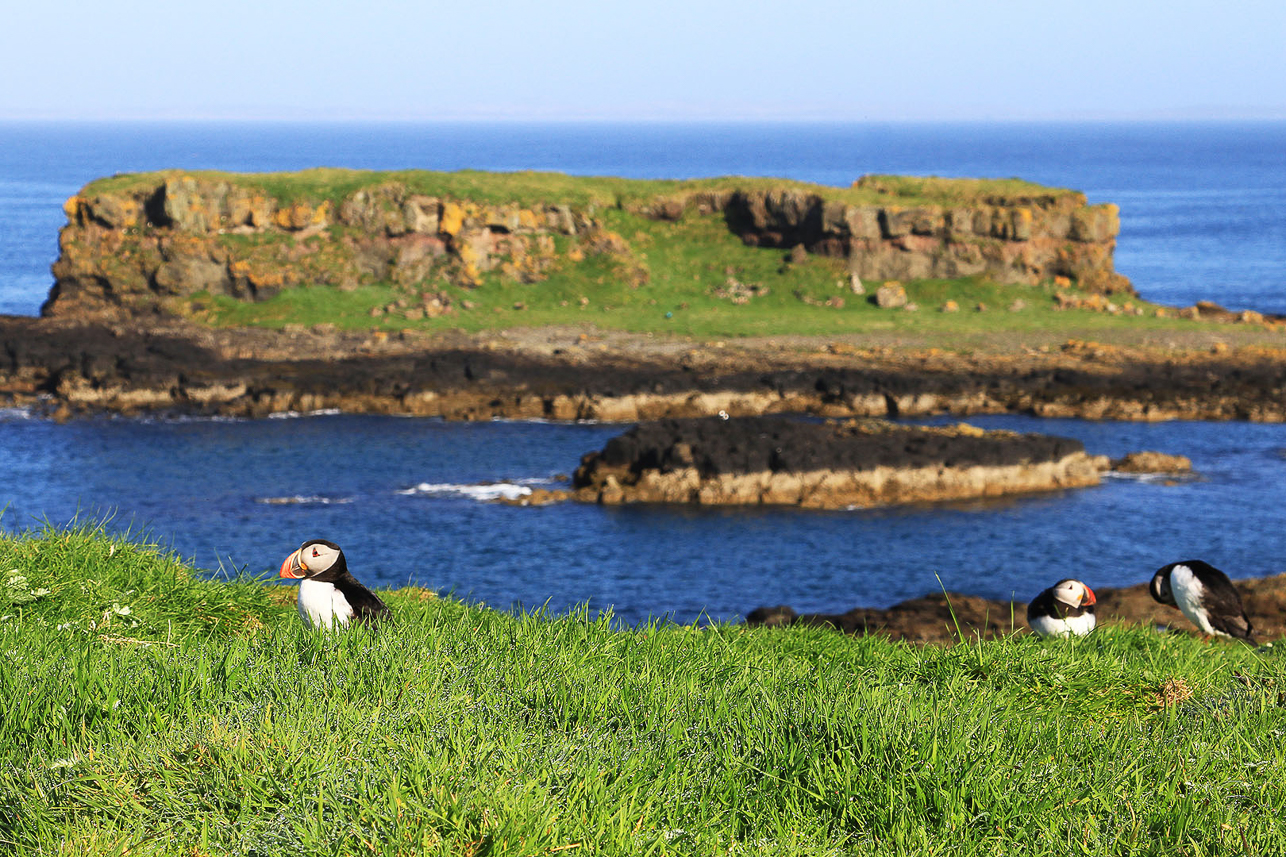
(69, 367)
(943, 618)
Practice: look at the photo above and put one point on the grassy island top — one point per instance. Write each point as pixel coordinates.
(532, 188)
(150, 711)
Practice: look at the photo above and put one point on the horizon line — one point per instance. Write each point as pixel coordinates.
(625, 120)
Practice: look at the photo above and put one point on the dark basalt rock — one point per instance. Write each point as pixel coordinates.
(775, 460)
(777, 444)
(158, 364)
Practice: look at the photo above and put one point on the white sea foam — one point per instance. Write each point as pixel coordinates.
(299, 500)
(1152, 477)
(178, 418)
(295, 415)
(482, 491)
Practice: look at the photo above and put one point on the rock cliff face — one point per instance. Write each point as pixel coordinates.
(173, 235)
(134, 249)
(1008, 237)
(773, 461)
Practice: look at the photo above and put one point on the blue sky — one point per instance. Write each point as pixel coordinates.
(650, 60)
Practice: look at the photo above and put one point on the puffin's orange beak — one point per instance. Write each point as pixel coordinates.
(294, 566)
(1089, 596)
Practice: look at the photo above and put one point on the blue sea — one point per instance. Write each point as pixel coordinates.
(1203, 217)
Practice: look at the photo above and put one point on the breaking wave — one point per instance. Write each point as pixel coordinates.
(482, 491)
(299, 500)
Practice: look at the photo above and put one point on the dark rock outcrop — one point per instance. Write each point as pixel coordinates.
(778, 461)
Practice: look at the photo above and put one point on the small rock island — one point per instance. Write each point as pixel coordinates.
(824, 465)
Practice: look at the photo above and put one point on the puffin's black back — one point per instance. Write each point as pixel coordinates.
(1221, 601)
(367, 606)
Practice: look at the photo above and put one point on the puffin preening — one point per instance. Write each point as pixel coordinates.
(1066, 609)
(1205, 595)
(329, 596)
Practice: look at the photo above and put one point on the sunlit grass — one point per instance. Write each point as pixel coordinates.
(135, 720)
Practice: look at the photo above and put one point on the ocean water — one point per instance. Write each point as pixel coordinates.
(408, 499)
(1203, 209)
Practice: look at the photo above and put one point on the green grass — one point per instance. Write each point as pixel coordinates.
(529, 187)
(687, 264)
(205, 720)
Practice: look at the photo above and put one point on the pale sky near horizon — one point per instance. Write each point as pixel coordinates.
(676, 60)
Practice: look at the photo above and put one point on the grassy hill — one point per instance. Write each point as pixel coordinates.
(147, 710)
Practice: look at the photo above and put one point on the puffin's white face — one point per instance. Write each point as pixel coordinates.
(1073, 593)
(312, 559)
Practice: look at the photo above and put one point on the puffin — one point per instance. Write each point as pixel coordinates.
(1205, 595)
(329, 596)
(1066, 609)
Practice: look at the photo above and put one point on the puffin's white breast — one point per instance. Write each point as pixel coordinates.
(321, 605)
(1052, 626)
(1188, 594)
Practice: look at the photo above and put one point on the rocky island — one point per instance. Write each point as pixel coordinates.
(475, 295)
(834, 465)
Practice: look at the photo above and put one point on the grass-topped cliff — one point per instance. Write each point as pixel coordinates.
(532, 189)
(475, 250)
(149, 711)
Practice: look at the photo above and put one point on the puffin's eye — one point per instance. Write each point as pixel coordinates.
(315, 552)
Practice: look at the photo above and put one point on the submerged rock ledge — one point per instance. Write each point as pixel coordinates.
(776, 461)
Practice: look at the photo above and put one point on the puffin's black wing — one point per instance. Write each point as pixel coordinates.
(368, 609)
(1043, 605)
(1223, 608)
(1221, 601)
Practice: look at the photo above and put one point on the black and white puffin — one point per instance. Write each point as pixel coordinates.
(1205, 595)
(1066, 609)
(329, 596)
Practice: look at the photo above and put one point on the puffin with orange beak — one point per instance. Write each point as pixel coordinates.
(1066, 609)
(329, 596)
